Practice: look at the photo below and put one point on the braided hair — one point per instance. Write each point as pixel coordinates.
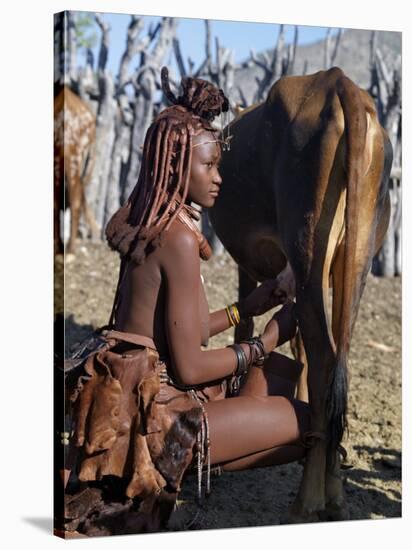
(161, 190)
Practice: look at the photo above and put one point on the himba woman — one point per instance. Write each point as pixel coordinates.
(151, 402)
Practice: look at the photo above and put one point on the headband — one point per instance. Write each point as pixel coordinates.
(225, 141)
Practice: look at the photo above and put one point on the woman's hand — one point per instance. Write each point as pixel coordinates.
(281, 328)
(286, 284)
(269, 294)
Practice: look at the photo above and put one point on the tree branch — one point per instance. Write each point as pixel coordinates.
(104, 44)
(179, 58)
(133, 47)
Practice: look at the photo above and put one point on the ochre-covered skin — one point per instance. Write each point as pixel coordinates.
(164, 299)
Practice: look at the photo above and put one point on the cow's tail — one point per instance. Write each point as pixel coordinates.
(355, 134)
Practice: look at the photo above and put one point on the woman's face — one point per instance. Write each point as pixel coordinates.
(205, 180)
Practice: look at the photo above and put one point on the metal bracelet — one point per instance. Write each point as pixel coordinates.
(233, 314)
(242, 362)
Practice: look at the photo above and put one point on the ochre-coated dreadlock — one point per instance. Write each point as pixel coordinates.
(163, 182)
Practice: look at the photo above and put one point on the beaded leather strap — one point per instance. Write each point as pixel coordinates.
(257, 351)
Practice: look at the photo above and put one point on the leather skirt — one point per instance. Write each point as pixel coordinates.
(127, 415)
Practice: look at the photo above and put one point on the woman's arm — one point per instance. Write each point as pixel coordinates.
(268, 295)
(181, 268)
(218, 322)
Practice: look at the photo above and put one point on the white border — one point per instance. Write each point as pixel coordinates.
(26, 289)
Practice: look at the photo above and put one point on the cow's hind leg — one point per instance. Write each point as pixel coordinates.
(313, 324)
(336, 506)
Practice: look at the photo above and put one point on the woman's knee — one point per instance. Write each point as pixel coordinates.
(278, 376)
(249, 424)
(283, 366)
(261, 382)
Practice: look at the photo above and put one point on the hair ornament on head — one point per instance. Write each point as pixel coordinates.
(160, 194)
(201, 99)
(199, 96)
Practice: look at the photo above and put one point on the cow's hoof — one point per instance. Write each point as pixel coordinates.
(294, 518)
(298, 514)
(335, 511)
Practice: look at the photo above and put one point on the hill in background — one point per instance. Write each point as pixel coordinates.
(352, 58)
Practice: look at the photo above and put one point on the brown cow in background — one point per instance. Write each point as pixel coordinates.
(74, 141)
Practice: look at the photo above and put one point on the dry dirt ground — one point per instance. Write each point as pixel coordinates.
(261, 497)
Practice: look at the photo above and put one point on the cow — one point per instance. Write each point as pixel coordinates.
(74, 141)
(305, 185)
